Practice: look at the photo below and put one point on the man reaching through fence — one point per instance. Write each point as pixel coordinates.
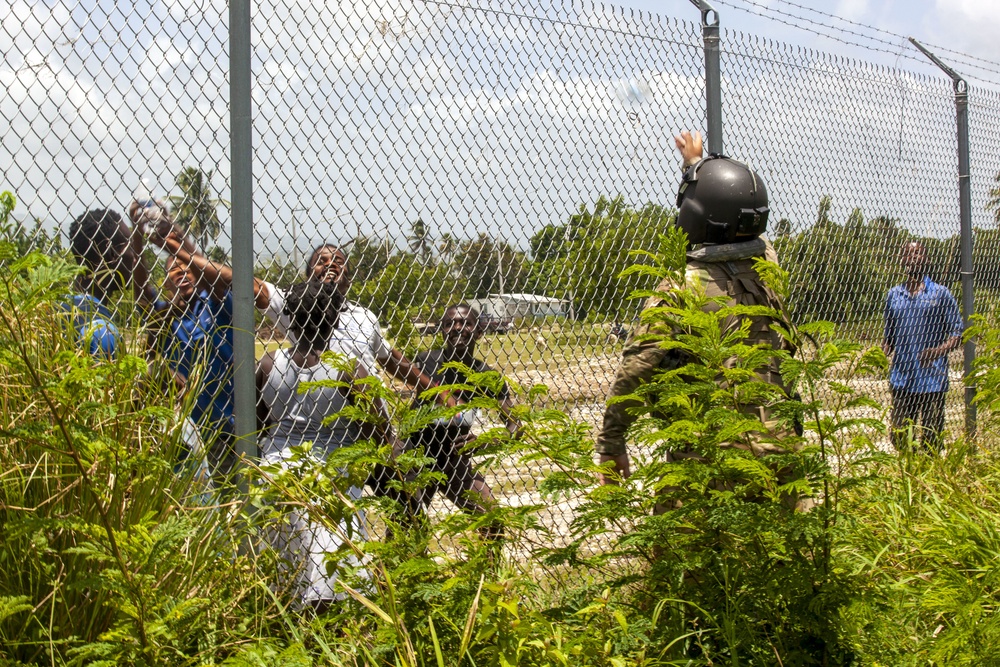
(195, 335)
(922, 325)
(449, 442)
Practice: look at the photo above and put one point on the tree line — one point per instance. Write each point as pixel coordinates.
(840, 270)
(580, 261)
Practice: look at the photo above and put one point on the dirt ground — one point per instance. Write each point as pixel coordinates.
(580, 387)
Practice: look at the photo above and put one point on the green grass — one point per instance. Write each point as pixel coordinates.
(520, 350)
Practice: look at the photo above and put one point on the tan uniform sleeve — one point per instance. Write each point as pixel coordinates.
(639, 362)
(641, 358)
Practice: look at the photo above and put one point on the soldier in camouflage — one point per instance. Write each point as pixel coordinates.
(723, 208)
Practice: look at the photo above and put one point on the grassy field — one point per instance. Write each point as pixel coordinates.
(577, 363)
(525, 349)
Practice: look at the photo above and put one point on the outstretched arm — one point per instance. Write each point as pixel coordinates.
(507, 412)
(136, 266)
(401, 368)
(146, 220)
(382, 431)
(889, 330)
(264, 367)
(926, 356)
(212, 276)
(952, 321)
(622, 468)
(641, 359)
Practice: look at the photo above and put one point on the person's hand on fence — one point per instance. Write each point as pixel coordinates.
(447, 399)
(397, 446)
(152, 221)
(160, 228)
(461, 442)
(690, 146)
(163, 232)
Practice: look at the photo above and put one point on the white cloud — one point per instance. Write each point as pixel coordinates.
(969, 26)
(471, 118)
(853, 10)
(195, 10)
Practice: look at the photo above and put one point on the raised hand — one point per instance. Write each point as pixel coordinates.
(152, 221)
(690, 146)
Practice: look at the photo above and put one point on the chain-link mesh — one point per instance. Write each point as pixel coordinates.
(505, 155)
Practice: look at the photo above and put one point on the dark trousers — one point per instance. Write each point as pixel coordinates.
(460, 477)
(917, 414)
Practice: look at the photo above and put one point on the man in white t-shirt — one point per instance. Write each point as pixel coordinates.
(358, 334)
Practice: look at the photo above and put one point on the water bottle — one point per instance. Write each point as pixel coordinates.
(149, 211)
(143, 196)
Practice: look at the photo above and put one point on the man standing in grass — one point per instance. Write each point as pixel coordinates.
(922, 325)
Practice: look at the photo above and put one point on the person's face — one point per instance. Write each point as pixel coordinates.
(180, 281)
(330, 266)
(460, 328)
(914, 260)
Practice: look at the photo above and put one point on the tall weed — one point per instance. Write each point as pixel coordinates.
(829, 552)
(109, 553)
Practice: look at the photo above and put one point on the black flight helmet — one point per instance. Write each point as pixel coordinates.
(721, 200)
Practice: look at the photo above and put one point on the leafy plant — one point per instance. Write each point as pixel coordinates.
(109, 552)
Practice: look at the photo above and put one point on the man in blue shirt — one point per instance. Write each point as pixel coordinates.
(196, 335)
(922, 325)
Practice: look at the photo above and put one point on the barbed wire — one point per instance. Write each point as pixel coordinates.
(887, 32)
(764, 14)
(555, 21)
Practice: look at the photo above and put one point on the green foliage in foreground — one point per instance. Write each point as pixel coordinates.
(112, 553)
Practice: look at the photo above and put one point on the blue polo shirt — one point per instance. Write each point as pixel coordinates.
(95, 331)
(913, 323)
(201, 348)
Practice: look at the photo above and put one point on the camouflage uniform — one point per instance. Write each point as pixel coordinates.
(723, 270)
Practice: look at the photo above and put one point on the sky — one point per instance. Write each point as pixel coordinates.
(481, 116)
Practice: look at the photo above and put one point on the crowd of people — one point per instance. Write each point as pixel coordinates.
(723, 208)
(190, 330)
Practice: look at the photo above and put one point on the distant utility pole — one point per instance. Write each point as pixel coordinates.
(572, 278)
(295, 235)
(499, 265)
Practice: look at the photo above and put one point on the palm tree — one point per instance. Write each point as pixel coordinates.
(195, 209)
(447, 247)
(421, 241)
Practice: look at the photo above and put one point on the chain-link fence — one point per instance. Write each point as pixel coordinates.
(505, 155)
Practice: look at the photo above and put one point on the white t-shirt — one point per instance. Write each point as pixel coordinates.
(357, 335)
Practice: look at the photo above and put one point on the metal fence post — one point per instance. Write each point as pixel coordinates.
(241, 156)
(713, 75)
(965, 226)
